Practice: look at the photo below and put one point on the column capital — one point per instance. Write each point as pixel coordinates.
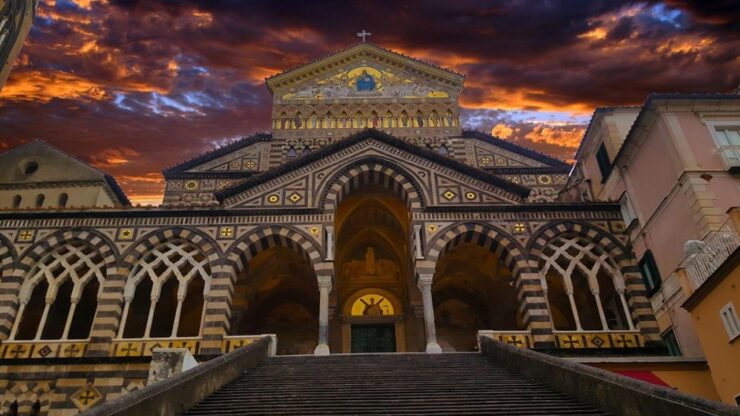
(324, 282)
(424, 280)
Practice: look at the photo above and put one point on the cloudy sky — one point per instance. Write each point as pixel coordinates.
(136, 86)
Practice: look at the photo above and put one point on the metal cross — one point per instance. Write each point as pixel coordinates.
(363, 35)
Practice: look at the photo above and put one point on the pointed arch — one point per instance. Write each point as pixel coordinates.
(419, 119)
(283, 121)
(7, 255)
(162, 266)
(389, 120)
(372, 171)
(329, 121)
(449, 119)
(629, 276)
(256, 241)
(485, 235)
(434, 119)
(98, 246)
(403, 119)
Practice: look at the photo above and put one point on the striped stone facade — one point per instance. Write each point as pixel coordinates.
(231, 204)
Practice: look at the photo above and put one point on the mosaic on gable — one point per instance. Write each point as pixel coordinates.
(366, 80)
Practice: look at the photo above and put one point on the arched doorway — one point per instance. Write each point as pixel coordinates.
(277, 293)
(473, 290)
(373, 321)
(372, 261)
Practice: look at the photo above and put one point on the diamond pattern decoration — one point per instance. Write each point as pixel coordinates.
(449, 195)
(294, 197)
(44, 351)
(598, 341)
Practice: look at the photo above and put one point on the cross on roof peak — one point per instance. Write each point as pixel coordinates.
(363, 35)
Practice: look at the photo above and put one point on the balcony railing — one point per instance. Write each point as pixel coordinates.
(718, 246)
(730, 156)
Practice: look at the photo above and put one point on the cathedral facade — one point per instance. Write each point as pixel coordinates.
(367, 220)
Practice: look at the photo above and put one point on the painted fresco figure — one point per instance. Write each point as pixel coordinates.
(365, 82)
(372, 308)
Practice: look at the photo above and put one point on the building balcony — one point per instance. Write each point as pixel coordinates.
(730, 156)
(711, 252)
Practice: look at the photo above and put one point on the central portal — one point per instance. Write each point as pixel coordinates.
(374, 271)
(374, 338)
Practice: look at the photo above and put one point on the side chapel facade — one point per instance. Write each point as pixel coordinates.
(367, 220)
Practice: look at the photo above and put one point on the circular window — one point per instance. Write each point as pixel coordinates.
(30, 167)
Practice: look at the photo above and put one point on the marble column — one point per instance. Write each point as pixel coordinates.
(425, 285)
(324, 289)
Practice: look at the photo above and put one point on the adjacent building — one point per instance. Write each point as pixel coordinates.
(16, 18)
(672, 166)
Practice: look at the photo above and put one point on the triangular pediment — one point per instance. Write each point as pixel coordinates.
(247, 155)
(39, 164)
(53, 165)
(389, 75)
(438, 180)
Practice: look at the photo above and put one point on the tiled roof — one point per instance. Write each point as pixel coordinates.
(505, 144)
(650, 103)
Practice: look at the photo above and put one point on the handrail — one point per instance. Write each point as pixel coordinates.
(182, 391)
(614, 393)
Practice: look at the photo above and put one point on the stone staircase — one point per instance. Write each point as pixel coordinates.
(400, 384)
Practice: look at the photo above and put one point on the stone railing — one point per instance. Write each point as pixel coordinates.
(522, 339)
(598, 339)
(44, 349)
(614, 393)
(717, 247)
(571, 339)
(182, 391)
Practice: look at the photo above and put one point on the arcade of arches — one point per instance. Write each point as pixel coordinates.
(373, 303)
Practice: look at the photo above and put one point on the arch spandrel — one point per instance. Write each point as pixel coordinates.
(260, 239)
(151, 240)
(486, 235)
(436, 180)
(605, 240)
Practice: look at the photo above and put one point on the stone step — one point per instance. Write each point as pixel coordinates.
(461, 384)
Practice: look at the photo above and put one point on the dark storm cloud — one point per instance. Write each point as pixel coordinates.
(134, 86)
